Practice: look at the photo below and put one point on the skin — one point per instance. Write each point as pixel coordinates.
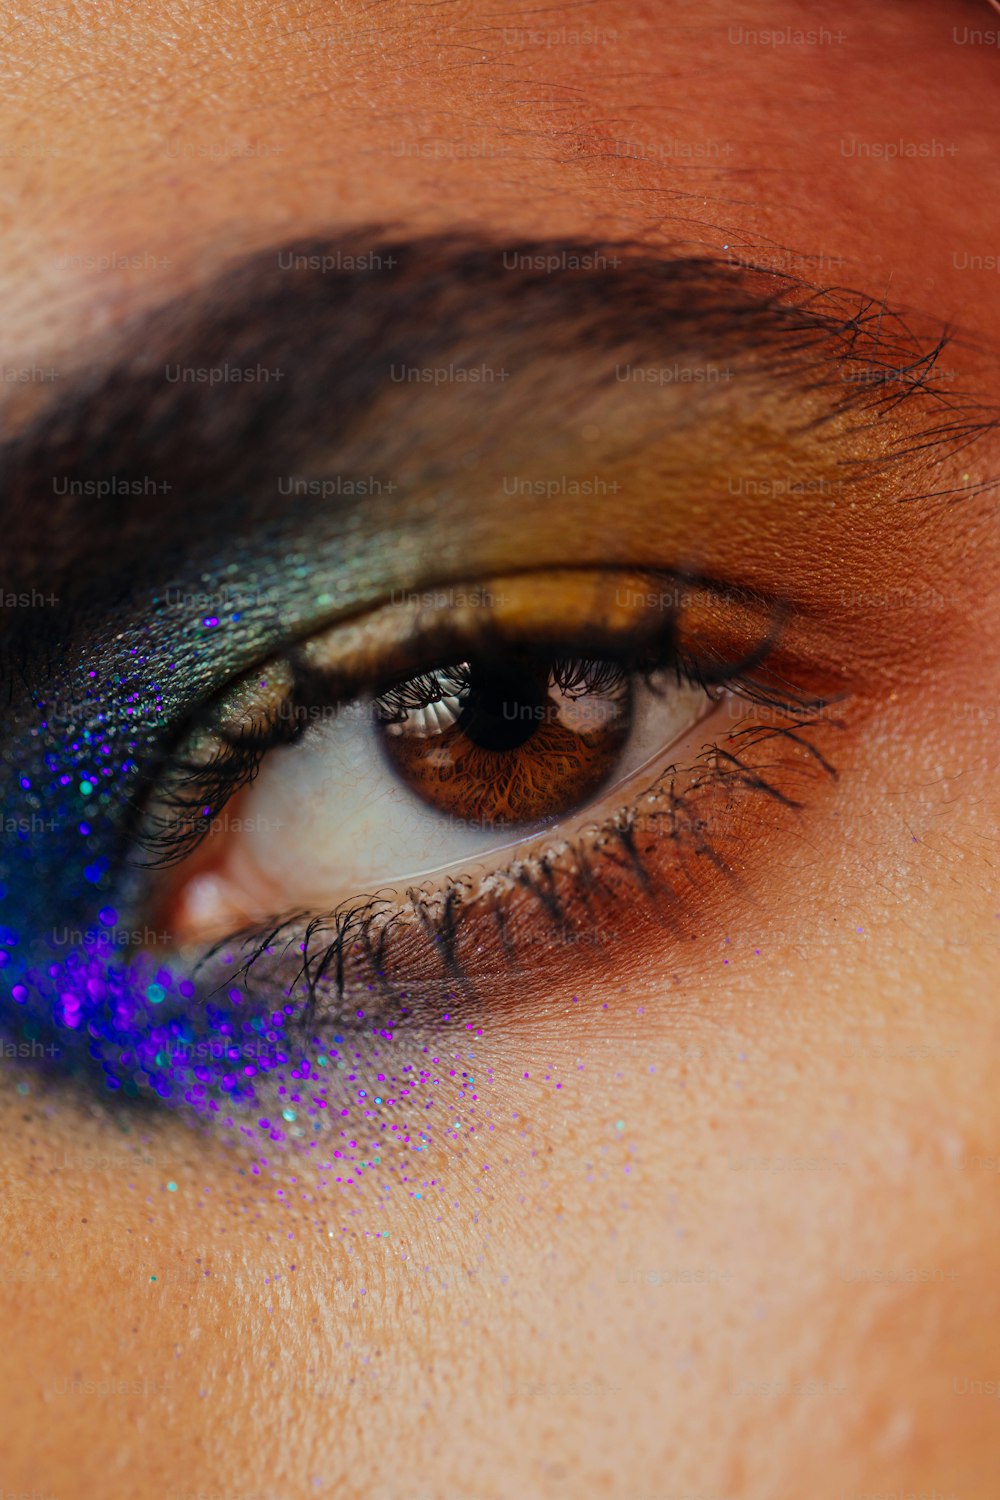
(779, 1277)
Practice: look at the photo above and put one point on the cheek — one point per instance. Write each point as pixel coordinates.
(785, 1223)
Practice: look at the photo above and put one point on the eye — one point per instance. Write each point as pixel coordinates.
(425, 809)
(451, 766)
(380, 824)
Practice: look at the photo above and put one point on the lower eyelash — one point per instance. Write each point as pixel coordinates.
(377, 962)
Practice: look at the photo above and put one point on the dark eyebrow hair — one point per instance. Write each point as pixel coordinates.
(327, 319)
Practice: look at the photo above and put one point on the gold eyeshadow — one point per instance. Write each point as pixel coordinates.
(596, 610)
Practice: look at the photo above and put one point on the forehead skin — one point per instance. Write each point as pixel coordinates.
(542, 1360)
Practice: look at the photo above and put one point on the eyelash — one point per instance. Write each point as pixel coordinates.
(352, 950)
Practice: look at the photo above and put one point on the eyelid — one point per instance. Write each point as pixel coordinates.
(577, 610)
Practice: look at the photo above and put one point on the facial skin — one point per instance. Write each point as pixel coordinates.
(747, 1251)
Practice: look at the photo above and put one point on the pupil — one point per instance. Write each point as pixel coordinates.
(503, 709)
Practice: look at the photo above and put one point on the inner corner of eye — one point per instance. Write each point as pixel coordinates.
(450, 767)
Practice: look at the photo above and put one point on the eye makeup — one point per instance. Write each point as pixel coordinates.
(101, 702)
(384, 965)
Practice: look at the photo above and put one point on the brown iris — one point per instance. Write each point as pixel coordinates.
(511, 742)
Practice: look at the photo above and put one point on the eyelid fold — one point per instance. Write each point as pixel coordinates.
(577, 611)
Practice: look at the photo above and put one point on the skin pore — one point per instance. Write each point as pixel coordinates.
(747, 1249)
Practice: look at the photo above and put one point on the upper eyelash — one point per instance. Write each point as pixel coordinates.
(403, 698)
(574, 676)
(191, 793)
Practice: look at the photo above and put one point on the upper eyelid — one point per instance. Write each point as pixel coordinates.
(184, 713)
(238, 713)
(509, 609)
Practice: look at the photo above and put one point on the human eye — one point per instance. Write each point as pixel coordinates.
(376, 828)
(498, 733)
(422, 758)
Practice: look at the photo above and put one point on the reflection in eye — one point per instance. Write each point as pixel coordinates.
(510, 742)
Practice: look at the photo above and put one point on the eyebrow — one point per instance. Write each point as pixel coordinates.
(170, 410)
